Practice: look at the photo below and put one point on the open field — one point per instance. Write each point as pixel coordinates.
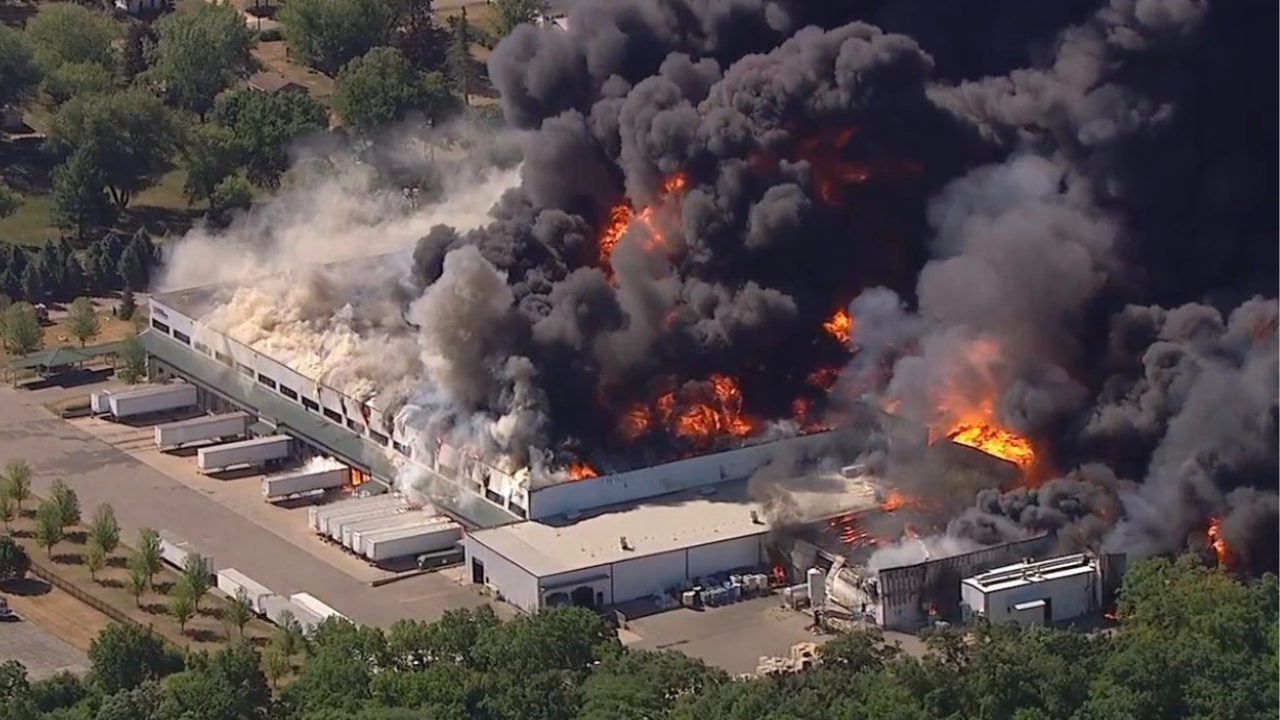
(274, 56)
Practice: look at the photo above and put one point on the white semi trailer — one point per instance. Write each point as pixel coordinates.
(274, 608)
(248, 453)
(234, 425)
(100, 402)
(148, 400)
(331, 525)
(175, 551)
(232, 581)
(278, 487)
(398, 522)
(312, 603)
(411, 541)
(320, 517)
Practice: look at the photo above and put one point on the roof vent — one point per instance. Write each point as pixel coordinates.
(622, 543)
(755, 518)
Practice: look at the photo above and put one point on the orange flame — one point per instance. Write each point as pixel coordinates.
(581, 471)
(992, 439)
(831, 172)
(622, 217)
(1217, 542)
(698, 414)
(839, 326)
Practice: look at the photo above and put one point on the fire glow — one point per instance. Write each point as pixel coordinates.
(1217, 543)
(580, 471)
(697, 412)
(839, 326)
(993, 439)
(622, 217)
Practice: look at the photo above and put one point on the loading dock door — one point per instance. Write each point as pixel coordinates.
(477, 571)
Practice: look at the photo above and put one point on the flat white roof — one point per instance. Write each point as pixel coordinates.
(1030, 573)
(651, 527)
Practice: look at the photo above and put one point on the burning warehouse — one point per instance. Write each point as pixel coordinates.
(738, 223)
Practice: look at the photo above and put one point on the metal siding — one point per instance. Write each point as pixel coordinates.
(516, 585)
(644, 576)
(723, 556)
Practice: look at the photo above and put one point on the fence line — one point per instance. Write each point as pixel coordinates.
(71, 589)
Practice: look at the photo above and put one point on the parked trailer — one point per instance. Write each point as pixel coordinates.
(320, 517)
(99, 402)
(154, 399)
(258, 451)
(374, 519)
(312, 603)
(211, 427)
(331, 525)
(175, 551)
(411, 541)
(231, 581)
(296, 483)
(405, 520)
(274, 608)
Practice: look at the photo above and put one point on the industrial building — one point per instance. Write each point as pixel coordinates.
(1035, 593)
(616, 555)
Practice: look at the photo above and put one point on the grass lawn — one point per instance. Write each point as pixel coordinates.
(274, 56)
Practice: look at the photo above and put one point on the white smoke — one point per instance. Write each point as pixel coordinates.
(912, 551)
(320, 463)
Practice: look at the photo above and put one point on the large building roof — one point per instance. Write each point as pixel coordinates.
(672, 522)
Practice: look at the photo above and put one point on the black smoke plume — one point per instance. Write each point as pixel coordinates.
(1002, 194)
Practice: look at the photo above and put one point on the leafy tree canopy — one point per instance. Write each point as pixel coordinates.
(127, 137)
(199, 52)
(327, 34)
(66, 33)
(263, 128)
(19, 74)
(382, 88)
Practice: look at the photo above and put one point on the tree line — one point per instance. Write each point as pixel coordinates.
(56, 272)
(1192, 642)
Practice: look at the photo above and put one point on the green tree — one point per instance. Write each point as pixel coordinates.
(210, 154)
(233, 193)
(22, 333)
(463, 68)
(125, 311)
(141, 703)
(328, 34)
(420, 38)
(146, 555)
(199, 52)
(382, 88)
(265, 126)
(33, 283)
(82, 320)
(227, 685)
(77, 79)
(80, 199)
(73, 277)
(123, 657)
(104, 530)
(136, 261)
(67, 503)
(510, 14)
(10, 201)
(274, 665)
(195, 576)
(287, 638)
(17, 480)
(128, 137)
(19, 74)
(182, 605)
(8, 511)
(14, 562)
(131, 360)
(139, 41)
(14, 684)
(66, 33)
(238, 610)
(136, 582)
(48, 526)
(95, 558)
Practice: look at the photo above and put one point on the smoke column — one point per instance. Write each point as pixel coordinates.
(1058, 217)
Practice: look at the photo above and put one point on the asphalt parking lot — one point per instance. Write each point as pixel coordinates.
(144, 496)
(732, 637)
(43, 654)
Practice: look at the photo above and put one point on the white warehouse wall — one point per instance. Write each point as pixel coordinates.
(718, 557)
(516, 585)
(646, 575)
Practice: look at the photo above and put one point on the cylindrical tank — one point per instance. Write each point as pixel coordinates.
(844, 590)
